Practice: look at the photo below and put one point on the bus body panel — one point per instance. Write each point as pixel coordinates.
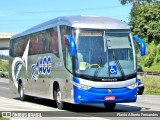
(96, 84)
(82, 21)
(43, 86)
(95, 95)
(99, 90)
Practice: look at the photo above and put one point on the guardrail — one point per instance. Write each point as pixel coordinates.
(150, 72)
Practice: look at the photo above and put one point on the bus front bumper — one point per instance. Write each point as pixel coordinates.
(114, 95)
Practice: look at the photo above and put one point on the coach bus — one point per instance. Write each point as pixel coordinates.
(76, 59)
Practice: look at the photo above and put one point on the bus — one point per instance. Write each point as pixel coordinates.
(76, 59)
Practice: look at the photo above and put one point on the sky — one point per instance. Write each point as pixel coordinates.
(19, 15)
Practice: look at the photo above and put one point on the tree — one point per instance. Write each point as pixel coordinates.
(136, 2)
(145, 21)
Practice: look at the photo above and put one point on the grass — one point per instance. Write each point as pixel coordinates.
(151, 85)
(3, 118)
(153, 67)
(4, 65)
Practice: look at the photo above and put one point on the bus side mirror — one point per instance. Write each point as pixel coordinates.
(142, 45)
(72, 44)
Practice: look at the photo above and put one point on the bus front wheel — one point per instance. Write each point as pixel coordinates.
(109, 106)
(58, 98)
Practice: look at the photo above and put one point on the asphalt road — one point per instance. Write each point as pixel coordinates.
(11, 102)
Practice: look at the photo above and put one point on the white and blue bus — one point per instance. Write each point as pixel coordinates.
(76, 59)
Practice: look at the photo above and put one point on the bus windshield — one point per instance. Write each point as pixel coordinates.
(102, 55)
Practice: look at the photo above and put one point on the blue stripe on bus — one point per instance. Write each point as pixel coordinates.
(97, 95)
(17, 65)
(76, 80)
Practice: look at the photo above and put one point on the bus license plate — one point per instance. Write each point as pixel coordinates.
(109, 98)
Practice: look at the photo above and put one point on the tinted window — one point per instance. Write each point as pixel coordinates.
(41, 42)
(65, 46)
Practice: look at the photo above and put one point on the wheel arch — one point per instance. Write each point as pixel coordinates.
(19, 82)
(55, 86)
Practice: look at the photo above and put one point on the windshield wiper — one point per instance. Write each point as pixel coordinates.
(95, 73)
(119, 66)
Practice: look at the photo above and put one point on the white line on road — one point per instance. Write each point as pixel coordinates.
(13, 105)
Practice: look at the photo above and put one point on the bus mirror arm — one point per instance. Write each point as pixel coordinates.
(72, 44)
(142, 45)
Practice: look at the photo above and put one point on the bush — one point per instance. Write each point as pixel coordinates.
(148, 61)
(4, 65)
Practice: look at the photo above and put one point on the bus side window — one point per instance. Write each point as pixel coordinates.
(25, 44)
(47, 40)
(14, 48)
(11, 48)
(19, 45)
(19, 49)
(65, 47)
(34, 45)
(54, 41)
(63, 32)
(31, 48)
(40, 43)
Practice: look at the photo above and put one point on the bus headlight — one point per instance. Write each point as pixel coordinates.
(132, 86)
(81, 86)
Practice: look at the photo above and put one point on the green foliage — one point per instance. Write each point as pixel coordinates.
(151, 84)
(136, 2)
(4, 65)
(145, 22)
(3, 118)
(145, 19)
(148, 61)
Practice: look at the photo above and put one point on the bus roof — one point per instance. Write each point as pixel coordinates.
(80, 21)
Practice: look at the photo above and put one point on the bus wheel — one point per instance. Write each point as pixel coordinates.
(21, 93)
(58, 98)
(109, 106)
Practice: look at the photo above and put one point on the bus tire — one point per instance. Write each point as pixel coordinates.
(109, 106)
(22, 96)
(58, 98)
(140, 93)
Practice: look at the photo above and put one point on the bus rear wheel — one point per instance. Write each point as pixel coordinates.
(22, 96)
(109, 106)
(58, 98)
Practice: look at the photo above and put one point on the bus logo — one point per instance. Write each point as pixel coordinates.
(109, 91)
(42, 66)
(113, 69)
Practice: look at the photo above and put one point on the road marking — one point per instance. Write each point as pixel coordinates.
(12, 105)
